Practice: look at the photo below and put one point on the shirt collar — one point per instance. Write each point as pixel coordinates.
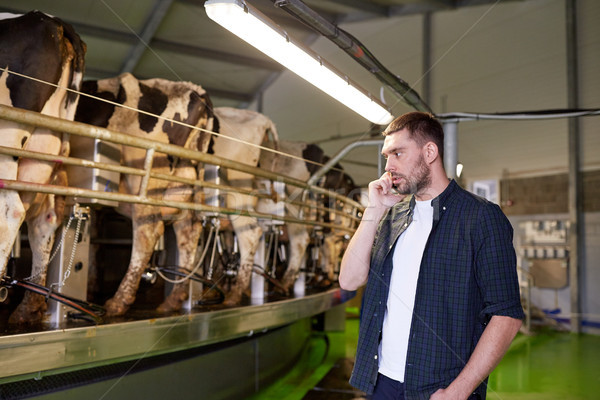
(439, 203)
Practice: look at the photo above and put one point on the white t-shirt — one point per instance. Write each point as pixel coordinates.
(403, 286)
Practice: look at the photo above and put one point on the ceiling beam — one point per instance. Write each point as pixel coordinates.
(166, 45)
(362, 5)
(422, 7)
(103, 33)
(159, 11)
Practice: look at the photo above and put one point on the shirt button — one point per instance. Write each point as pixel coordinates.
(375, 357)
(405, 225)
(379, 303)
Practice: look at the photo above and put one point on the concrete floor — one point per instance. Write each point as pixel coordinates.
(548, 365)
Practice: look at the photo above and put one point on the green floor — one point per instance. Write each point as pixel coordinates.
(546, 366)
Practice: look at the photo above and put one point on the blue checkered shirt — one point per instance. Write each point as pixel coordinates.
(468, 274)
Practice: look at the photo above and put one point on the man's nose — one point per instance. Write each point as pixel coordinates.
(388, 166)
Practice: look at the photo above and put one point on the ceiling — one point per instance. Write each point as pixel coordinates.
(174, 39)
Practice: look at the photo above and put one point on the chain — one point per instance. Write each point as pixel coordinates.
(81, 213)
(75, 240)
(56, 249)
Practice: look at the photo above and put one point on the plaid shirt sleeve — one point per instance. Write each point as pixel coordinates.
(496, 266)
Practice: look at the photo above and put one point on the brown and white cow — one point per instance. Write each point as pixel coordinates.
(187, 102)
(299, 234)
(42, 47)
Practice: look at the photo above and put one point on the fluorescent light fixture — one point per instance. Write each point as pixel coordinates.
(255, 28)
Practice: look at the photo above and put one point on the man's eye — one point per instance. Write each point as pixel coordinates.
(398, 154)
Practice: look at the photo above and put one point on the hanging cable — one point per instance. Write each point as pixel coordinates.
(89, 310)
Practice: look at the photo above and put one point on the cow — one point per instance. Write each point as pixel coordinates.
(187, 102)
(176, 101)
(47, 49)
(305, 161)
(250, 128)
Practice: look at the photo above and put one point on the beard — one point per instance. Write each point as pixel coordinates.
(419, 180)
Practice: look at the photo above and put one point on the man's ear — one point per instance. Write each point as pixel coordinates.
(430, 152)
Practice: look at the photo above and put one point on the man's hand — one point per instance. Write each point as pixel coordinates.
(382, 194)
(446, 394)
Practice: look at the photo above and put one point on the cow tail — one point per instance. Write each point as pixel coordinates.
(272, 130)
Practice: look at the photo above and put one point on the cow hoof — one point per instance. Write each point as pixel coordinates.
(31, 310)
(232, 299)
(282, 290)
(27, 315)
(169, 305)
(115, 308)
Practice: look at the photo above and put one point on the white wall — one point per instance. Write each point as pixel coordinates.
(510, 56)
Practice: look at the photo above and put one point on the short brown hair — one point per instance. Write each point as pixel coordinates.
(422, 127)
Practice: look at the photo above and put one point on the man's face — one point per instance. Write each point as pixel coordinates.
(406, 163)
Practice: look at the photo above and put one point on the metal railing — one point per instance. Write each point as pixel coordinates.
(152, 147)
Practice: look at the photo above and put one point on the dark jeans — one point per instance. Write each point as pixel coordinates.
(387, 389)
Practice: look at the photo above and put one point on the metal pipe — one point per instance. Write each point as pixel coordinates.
(340, 154)
(164, 177)
(426, 67)
(575, 187)
(146, 178)
(450, 148)
(77, 128)
(32, 118)
(129, 198)
(355, 49)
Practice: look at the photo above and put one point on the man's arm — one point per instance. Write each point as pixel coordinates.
(490, 349)
(355, 265)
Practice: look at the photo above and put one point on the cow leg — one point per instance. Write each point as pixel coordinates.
(147, 228)
(331, 252)
(299, 240)
(248, 234)
(41, 232)
(12, 214)
(187, 234)
(12, 211)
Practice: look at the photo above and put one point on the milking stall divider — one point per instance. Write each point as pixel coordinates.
(64, 347)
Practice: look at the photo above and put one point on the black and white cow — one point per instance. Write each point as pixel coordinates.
(187, 102)
(179, 101)
(45, 48)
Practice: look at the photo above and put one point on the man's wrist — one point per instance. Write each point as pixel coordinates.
(374, 214)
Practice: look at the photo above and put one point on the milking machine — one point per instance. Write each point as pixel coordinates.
(67, 271)
(269, 247)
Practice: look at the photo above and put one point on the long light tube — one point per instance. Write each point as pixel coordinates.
(255, 28)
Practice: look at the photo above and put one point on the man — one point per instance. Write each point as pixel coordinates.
(442, 302)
